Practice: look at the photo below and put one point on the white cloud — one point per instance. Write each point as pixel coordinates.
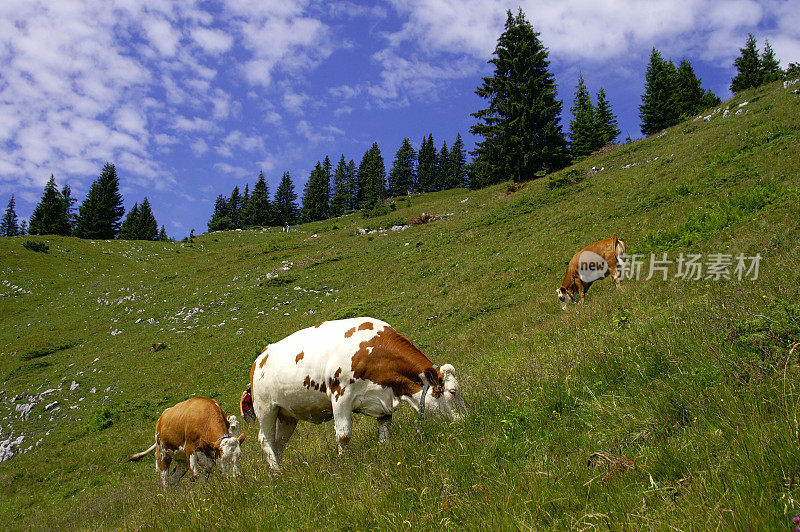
(294, 102)
(212, 41)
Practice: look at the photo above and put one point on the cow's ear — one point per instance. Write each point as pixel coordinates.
(241, 437)
(434, 379)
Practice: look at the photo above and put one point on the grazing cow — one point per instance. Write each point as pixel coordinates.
(592, 263)
(339, 367)
(196, 434)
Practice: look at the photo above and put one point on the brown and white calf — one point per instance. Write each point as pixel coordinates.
(196, 434)
(592, 263)
(339, 367)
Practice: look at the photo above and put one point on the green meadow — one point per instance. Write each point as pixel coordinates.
(668, 404)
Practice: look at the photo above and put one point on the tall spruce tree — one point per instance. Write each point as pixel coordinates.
(339, 198)
(286, 209)
(607, 124)
(447, 178)
(235, 207)
(351, 181)
(748, 67)
(520, 128)
(426, 165)
(100, 213)
(221, 217)
(371, 178)
(69, 205)
(162, 235)
(769, 65)
(315, 196)
(458, 162)
(23, 228)
(659, 108)
(258, 211)
(9, 226)
(129, 228)
(49, 217)
(690, 95)
(147, 227)
(585, 136)
(403, 172)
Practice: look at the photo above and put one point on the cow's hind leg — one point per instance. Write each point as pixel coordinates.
(162, 466)
(343, 422)
(384, 424)
(284, 428)
(266, 436)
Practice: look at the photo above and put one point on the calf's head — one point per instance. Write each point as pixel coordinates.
(564, 297)
(226, 452)
(445, 397)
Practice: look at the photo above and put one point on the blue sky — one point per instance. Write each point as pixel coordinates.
(189, 98)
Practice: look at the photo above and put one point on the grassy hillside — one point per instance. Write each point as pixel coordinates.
(686, 388)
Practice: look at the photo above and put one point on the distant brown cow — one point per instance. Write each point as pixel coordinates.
(196, 434)
(592, 263)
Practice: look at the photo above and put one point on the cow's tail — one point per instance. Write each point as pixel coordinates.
(137, 456)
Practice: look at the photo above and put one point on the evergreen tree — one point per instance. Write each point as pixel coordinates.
(520, 127)
(769, 66)
(748, 67)
(129, 228)
(403, 173)
(691, 97)
(162, 235)
(100, 213)
(235, 207)
(659, 108)
(339, 199)
(69, 205)
(325, 185)
(607, 125)
(286, 209)
(447, 178)
(371, 178)
(49, 217)
(351, 180)
(458, 162)
(585, 136)
(23, 228)
(315, 196)
(221, 218)
(9, 225)
(426, 167)
(258, 211)
(147, 226)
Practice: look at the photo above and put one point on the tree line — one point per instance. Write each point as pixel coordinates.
(521, 139)
(331, 192)
(98, 217)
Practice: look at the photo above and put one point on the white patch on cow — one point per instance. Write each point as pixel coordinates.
(591, 267)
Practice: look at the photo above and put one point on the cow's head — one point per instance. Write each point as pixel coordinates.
(227, 452)
(445, 397)
(564, 297)
(246, 406)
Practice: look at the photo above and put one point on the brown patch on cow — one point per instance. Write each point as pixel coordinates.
(317, 325)
(389, 359)
(252, 372)
(299, 357)
(307, 381)
(322, 388)
(335, 386)
(366, 326)
(263, 360)
(350, 332)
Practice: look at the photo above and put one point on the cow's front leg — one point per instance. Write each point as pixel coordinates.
(384, 424)
(615, 275)
(343, 422)
(266, 436)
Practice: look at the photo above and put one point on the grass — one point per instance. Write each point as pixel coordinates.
(687, 388)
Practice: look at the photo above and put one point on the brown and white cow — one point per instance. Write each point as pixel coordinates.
(197, 434)
(592, 263)
(339, 367)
